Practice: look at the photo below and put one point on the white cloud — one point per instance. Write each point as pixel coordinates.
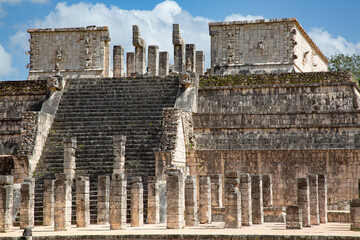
(5, 64)
(331, 45)
(155, 25)
(240, 17)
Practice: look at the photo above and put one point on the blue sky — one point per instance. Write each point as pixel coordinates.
(332, 24)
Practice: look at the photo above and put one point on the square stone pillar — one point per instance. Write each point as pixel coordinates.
(190, 57)
(153, 211)
(103, 199)
(322, 197)
(118, 202)
(293, 217)
(200, 62)
(163, 63)
(63, 198)
(355, 215)
(314, 199)
(69, 156)
(48, 199)
(246, 206)
(27, 201)
(140, 51)
(175, 199)
(179, 47)
(267, 190)
(257, 199)
(304, 199)
(137, 202)
(153, 60)
(191, 210)
(118, 61)
(216, 190)
(204, 200)
(130, 63)
(232, 200)
(82, 202)
(6, 203)
(119, 142)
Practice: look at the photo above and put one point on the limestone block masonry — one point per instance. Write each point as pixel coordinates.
(78, 52)
(103, 199)
(6, 202)
(63, 198)
(263, 46)
(48, 210)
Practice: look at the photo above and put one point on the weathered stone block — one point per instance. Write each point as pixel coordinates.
(103, 199)
(304, 199)
(191, 210)
(48, 202)
(257, 199)
(323, 197)
(27, 198)
(118, 195)
(246, 204)
(314, 199)
(153, 214)
(137, 205)
(204, 200)
(62, 206)
(294, 217)
(82, 202)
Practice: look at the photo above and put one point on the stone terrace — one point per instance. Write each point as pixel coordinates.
(93, 111)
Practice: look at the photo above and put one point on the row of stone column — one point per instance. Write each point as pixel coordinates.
(311, 208)
(158, 62)
(243, 199)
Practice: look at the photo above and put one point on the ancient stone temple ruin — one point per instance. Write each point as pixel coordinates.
(265, 135)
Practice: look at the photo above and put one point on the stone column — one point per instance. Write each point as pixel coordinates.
(103, 199)
(355, 215)
(130, 63)
(48, 199)
(137, 203)
(118, 202)
(140, 51)
(153, 213)
(63, 198)
(27, 198)
(293, 217)
(314, 199)
(175, 199)
(204, 200)
(82, 202)
(232, 200)
(267, 190)
(179, 45)
(118, 61)
(191, 217)
(69, 156)
(322, 198)
(246, 206)
(257, 199)
(190, 57)
(216, 190)
(200, 62)
(6, 203)
(119, 142)
(153, 60)
(163, 63)
(303, 200)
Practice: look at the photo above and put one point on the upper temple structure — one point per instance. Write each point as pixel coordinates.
(263, 46)
(264, 128)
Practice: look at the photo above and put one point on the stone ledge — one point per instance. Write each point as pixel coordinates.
(276, 80)
(23, 87)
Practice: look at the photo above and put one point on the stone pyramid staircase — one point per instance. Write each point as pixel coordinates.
(93, 111)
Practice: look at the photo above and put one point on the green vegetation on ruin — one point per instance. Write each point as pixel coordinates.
(275, 79)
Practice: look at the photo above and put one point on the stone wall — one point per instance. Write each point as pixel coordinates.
(341, 165)
(77, 52)
(17, 100)
(262, 46)
(286, 125)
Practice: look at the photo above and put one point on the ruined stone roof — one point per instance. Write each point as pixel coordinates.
(276, 20)
(75, 29)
